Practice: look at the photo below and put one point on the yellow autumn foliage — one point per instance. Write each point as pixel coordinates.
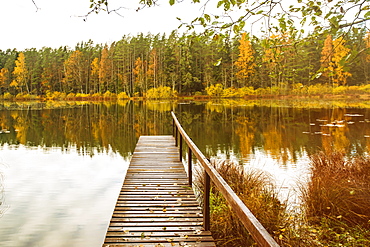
(161, 93)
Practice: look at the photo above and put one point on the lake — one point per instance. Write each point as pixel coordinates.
(62, 164)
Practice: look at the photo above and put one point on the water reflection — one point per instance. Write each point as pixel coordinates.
(276, 138)
(88, 126)
(64, 166)
(57, 198)
(284, 132)
(63, 163)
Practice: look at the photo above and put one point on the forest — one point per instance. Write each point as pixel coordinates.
(190, 64)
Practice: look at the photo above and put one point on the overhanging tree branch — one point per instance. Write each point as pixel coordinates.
(34, 3)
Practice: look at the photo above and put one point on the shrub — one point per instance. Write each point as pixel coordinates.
(97, 95)
(275, 90)
(55, 95)
(109, 95)
(244, 91)
(230, 92)
(122, 95)
(161, 93)
(165, 92)
(152, 93)
(215, 90)
(71, 96)
(340, 90)
(262, 91)
(298, 89)
(8, 96)
(26, 96)
(365, 88)
(82, 95)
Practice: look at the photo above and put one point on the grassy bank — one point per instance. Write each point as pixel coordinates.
(216, 91)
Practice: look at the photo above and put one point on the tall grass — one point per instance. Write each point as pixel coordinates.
(339, 188)
(335, 204)
(336, 201)
(255, 189)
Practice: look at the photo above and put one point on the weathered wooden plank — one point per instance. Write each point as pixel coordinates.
(158, 245)
(168, 205)
(173, 229)
(162, 233)
(155, 206)
(147, 238)
(150, 225)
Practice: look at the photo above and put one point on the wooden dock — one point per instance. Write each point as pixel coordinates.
(156, 206)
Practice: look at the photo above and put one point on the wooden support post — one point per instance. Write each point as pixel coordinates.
(173, 127)
(190, 167)
(206, 209)
(176, 134)
(180, 147)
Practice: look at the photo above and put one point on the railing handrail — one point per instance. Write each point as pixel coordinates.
(250, 222)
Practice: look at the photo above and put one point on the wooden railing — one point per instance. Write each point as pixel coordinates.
(255, 228)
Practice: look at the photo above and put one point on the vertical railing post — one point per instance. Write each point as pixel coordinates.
(173, 127)
(190, 167)
(180, 147)
(176, 134)
(206, 209)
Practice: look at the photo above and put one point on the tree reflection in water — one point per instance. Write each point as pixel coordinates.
(276, 136)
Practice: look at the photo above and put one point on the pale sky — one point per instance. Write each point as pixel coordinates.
(56, 23)
(59, 23)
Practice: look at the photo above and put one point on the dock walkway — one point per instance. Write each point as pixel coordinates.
(156, 206)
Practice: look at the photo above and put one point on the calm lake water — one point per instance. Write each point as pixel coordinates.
(62, 165)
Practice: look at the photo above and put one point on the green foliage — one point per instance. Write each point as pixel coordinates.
(282, 64)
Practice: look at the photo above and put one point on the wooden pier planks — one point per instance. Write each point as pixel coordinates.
(156, 207)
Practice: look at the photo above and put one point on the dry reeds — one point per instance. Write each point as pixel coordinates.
(339, 189)
(255, 189)
(335, 204)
